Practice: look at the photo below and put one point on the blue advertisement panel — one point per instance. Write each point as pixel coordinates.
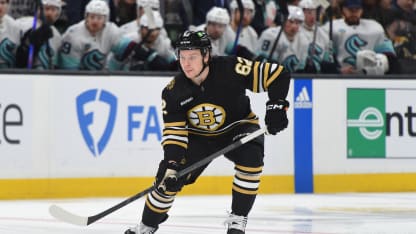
(303, 136)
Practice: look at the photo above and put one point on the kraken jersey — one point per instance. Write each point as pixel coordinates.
(248, 37)
(162, 45)
(291, 54)
(368, 35)
(220, 103)
(82, 51)
(322, 50)
(9, 41)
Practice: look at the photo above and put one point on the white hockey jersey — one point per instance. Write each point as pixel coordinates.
(248, 37)
(348, 40)
(162, 46)
(82, 51)
(43, 60)
(291, 54)
(9, 41)
(219, 45)
(322, 48)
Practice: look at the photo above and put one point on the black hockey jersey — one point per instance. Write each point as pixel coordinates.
(220, 103)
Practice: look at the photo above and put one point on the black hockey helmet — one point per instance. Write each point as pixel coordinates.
(190, 40)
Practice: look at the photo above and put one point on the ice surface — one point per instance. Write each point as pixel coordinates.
(367, 213)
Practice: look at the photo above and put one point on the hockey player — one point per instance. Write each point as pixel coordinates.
(217, 21)
(320, 51)
(9, 37)
(361, 45)
(205, 108)
(86, 45)
(46, 39)
(291, 49)
(248, 36)
(134, 25)
(151, 50)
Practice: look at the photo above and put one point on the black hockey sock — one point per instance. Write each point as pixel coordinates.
(242, 203)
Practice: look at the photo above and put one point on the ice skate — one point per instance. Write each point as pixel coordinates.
(236, 224)
(141, 229)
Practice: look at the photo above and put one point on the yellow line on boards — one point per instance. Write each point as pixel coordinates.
(125, 187)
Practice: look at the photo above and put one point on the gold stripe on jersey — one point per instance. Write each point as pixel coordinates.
(175, 124)
(175, 133)
(263, 75)
(266, 70)
(181, 144)
(274, 76)
(256, 77)
(170, 131)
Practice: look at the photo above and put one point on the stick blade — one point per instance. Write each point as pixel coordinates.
(66, 216)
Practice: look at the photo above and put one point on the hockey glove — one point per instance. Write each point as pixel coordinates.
(276, 118)
(329, 68)
(169, 182)
(142, 53)
(40, 36)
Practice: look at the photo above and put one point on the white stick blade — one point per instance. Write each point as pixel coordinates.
(65, 216)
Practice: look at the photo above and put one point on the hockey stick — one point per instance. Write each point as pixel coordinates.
(48, 46)
(39, 6)
(31, 46)
(284, 13)
(68, 217)
(240, 26)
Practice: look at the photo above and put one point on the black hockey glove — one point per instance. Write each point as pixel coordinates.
(142, 53)
(309, 67)
(167, 180)
(276, 118)
(40, 36)
(329, 68)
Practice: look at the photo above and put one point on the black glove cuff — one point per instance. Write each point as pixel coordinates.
(279, 104)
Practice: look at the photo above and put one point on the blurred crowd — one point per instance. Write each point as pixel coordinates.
(372, 37)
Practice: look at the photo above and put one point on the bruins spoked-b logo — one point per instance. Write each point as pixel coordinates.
(206, 116)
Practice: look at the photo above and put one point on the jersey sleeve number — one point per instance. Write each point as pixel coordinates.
(243, 66)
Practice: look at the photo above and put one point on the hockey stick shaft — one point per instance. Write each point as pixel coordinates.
(285, 13)
(31, 46)
(63, 215)
(240, 26)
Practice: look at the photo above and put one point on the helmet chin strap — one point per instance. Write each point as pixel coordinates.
(205, 65)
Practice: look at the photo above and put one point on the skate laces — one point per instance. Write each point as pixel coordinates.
(236, 222)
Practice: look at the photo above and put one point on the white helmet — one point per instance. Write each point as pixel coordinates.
(247, 4)
(218, 15)
(144, 21)
(295, 13)
(308, 4)
(56, 3)
(98, 7)
(154, 4)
